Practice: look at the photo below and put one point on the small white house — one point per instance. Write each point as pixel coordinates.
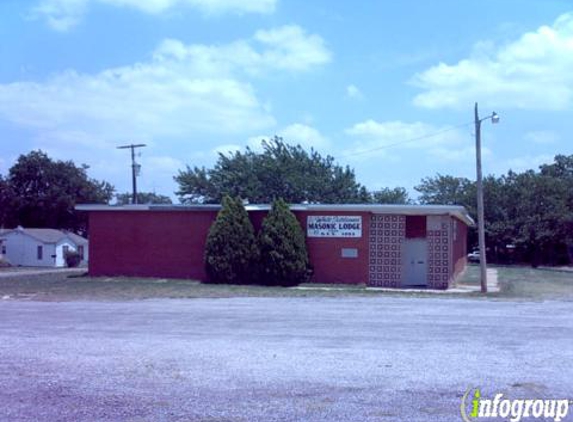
(41, 247)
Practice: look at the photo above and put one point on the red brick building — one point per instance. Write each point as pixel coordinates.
(377, 245)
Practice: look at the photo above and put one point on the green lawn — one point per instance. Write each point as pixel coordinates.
(515, 282)
(532, 283)
(62, 287)
(471, 275)
(527, 282)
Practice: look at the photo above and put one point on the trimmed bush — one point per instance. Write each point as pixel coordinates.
(231, 250)
(284, 258)
(72, 259)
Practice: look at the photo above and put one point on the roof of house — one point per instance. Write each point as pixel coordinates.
(77, 239)
(453, 210)
(49, 235)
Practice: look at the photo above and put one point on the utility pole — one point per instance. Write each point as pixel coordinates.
(134, 168)
(481, 223)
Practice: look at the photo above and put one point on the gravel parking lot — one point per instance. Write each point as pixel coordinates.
(277, 359)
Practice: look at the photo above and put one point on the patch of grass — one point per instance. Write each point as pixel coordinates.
(515, 282)
(471, 275)
(65, 287)
(526, 282)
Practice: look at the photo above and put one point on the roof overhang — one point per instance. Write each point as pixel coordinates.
(456, 211)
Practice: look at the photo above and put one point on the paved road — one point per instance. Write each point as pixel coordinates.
(276, 359)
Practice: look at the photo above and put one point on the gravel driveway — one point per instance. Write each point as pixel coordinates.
(277, 359)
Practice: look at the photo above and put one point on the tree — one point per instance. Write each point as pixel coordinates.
(279, 171)
(284, 258)
(445, 190)
(6, 199)
(531, 211)
(45, 193)
(541, 218)
(231, 249)
(391, 196)
(142, 198)
(562, 169)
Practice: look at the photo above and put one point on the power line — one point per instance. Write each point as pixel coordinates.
(419, 138)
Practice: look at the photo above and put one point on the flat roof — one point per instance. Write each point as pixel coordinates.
(457, 211)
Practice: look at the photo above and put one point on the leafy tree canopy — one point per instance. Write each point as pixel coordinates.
(142, 198)
(279, 171)
(445, 190)
(41, 192)
(396, 195)
(532, 211)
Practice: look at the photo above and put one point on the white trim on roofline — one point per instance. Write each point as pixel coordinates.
(457, 211)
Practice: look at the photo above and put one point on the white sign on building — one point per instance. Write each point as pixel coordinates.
(334, 226)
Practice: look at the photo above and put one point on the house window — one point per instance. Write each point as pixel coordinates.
(81, 252)
(40, 253)
(66, 250)
(3, 249)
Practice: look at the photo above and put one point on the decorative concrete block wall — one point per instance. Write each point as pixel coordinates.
(439, 252)
(386, 238)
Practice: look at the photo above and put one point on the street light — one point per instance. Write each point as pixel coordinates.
(481, 224)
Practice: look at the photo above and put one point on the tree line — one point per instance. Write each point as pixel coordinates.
(282, 171)
(528, 215)
(40, 192)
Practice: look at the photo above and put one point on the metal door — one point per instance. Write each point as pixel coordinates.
(415, 262)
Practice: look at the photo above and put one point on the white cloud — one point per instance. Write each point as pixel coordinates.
(542, 137)
(179, 100)
(144, 101)
(62, 15)
(290, 48)
(182, 90)
(287, 48)
(304, 135)
(157, 173)
(373, 140)
(527, 162)
(352, 91)
(533, 72)
(296, 133)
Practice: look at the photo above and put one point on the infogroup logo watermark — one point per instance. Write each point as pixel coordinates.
(475, 407)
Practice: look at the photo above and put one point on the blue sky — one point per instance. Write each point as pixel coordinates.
(355, 80)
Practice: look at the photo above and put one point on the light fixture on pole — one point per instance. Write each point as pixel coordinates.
(135, 168)
(480, 212)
